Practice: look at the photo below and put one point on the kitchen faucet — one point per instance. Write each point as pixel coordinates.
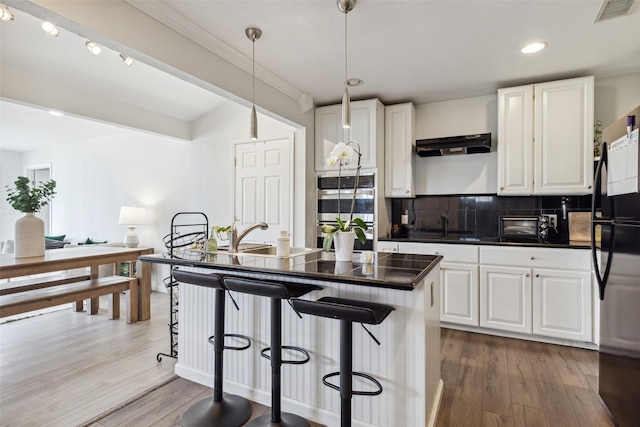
(235, 238)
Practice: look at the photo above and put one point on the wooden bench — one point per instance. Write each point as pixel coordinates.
(35, 299)
(28, 284)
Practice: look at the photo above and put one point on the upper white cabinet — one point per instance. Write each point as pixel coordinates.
(367, 130)
(399, 142)
(545, 138)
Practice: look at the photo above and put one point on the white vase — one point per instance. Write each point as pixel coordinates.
(343, 244)
(29, 236)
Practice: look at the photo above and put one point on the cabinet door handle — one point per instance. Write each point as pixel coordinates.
(532, 258)
(406, 191)
(437, 253)
(537, 275)
(526, 275)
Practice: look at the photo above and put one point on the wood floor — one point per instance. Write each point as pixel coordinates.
(493, 381)
(71, 369)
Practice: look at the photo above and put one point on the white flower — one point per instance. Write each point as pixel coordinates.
(341, 152)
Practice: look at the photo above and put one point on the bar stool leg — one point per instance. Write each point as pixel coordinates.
(277, 417)
(224, 410)
(346, 371)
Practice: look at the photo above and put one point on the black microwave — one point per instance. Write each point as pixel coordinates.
(518, 228)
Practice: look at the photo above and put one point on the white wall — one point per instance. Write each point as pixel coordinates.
(461, 174)
(615, 97)
(95, 177)
(477, 173)
(10, 169)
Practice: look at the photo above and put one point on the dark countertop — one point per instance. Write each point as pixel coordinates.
(495, 241)
(389, 270)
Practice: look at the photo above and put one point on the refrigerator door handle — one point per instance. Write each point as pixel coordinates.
(597, 195)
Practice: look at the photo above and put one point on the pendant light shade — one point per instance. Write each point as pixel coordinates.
(346, 6)
(253, 34)
(346, 109)
(254, 124)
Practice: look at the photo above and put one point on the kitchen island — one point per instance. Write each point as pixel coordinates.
(407, 362)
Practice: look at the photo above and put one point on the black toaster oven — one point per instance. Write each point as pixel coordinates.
(517, 228)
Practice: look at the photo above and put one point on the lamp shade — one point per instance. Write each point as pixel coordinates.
(132, 215)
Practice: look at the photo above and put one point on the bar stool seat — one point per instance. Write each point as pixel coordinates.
(347, 311)
(276, 292)
(224, 410)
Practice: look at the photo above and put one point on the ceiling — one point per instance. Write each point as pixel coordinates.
(419, 51)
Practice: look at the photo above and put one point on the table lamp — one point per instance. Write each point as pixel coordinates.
(132, 216)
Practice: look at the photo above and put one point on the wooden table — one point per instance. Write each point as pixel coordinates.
(82, 257)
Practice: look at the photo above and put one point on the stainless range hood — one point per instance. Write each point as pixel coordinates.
(465, 144)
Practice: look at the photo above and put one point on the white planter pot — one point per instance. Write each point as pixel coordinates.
(29, 236)
(343, 244)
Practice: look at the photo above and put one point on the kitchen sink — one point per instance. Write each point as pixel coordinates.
(268, 251)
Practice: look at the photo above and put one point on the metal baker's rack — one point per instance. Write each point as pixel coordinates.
(189, 230)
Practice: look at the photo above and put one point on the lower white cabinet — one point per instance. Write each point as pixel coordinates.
(562, 304)
(545, 292)
(459, 293)
(458, 279)
(505, 298)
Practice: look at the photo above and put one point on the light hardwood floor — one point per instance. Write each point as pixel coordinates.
(68, 369)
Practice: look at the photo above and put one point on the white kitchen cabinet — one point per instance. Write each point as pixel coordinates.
(399, 145)
(545, 138)
(562, 304)
(541, 291)
(458, 279)
(367, 130)
(505, 298)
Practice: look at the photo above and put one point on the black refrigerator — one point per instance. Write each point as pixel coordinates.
(617, 218)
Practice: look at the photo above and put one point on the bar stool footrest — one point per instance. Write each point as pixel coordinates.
(233, 347)
(306, 359)
(354, 392)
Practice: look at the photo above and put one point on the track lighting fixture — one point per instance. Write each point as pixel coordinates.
(5, 14)
(93, 47)
(50, 29)
(346, 6)
(253, 34)
(127, 60)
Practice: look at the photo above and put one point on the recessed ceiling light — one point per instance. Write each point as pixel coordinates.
(127, 60)
(533, 47)
(56, 113)
(354, 82)
(93, 47)
(5, 13)
(50, 29)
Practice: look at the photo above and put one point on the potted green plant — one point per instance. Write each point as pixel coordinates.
(343, 233)
(29, 230)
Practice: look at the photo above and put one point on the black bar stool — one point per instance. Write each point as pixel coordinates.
(348, 311)
(276, 292)
(225, 410)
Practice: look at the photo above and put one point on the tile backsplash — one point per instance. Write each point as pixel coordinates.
(476, 217)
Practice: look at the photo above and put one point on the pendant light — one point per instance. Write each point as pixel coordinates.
(253, 34)
(346, 6)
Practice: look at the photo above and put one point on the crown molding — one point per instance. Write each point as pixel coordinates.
(172, 18)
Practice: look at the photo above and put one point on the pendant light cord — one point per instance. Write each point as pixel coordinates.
(345, 48)
(253, 71)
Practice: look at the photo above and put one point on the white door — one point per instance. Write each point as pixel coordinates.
(263, 187)
(564, 137)
(562, 304)
(515, 140)
(505, 298)
(459, 296)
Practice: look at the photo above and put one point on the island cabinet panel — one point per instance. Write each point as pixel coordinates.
(407, 361)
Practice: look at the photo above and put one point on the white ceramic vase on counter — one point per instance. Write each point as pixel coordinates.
(29, 236)
(343, 244)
